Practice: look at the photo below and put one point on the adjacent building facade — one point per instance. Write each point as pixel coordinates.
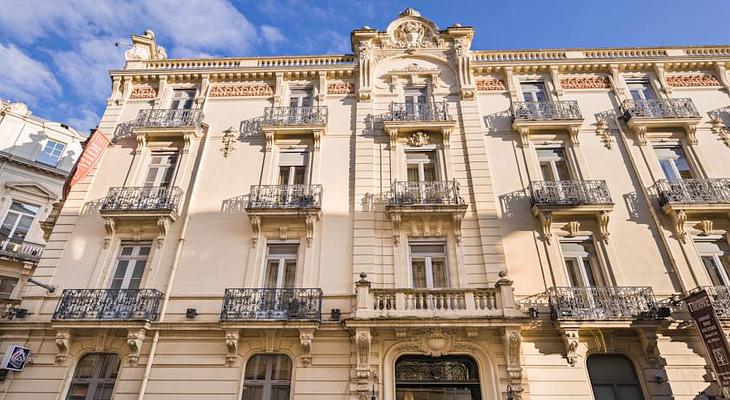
(36, 155)
(417, 220)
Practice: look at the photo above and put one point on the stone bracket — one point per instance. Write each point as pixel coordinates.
(232, 337)
(110, 228)
(679, 218)
(135, 339)
(570, 341)
(306, 336)
(649, 343)
(512, 349)
(363, 341)
(255, 221)
(63, 342)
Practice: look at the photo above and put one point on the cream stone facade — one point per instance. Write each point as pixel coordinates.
(36, 156)
(417, 220)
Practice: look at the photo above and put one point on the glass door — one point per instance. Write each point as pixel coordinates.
(121, 300)
(416, 100)
(428, 266)
(281, 267)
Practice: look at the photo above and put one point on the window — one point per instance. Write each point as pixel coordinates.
(300, 98)
(553, 164)
(51, 153)
(582, 263)
(428, 265)
(415, 95)
(182, 99)
(281, 265)
(292, 168)
(7, 284)
(130, 265)
(533, 91)
(421, 166)
(94, 378)
(162, 169)
(268, 377)
(613, 378)
(436, 378)
(674, 163)
(716, 257)
(640, 90)
(17, 223)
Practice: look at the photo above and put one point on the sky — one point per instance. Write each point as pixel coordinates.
(55, 54)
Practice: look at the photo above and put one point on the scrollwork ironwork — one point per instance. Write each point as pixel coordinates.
(285, 196)
(163, 118)
(108, 304)
(425, 193)
(659, 108)
(272, 304)
(142, 198)
(570, 193)
(546, 110)
(602, 303)
(295, 116)
(694, 191)
(402, 112)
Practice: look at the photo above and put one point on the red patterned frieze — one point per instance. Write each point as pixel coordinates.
(694, 80)
(143, 92)
(242, 90)
(490, 84)
(340, 87)
(585, 82)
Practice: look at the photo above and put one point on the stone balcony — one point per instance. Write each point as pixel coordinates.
(285, 121)
(531, 116)
(108, 305)
(21, 251)
(603, 303)
(284, 204)
(682, 198)
(272, 304)
(642, 115)
(418, 117)
(156, 124)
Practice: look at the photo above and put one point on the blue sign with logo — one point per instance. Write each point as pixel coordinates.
(15, 358)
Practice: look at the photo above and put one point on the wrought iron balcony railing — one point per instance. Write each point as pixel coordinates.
(570, 193)
(694, 191)
(24, 251)
(108, 304)
(546, 110)
(295, 116)
(720, 296)
(425, 193)
(162, 118)
(659, 109)
(285, 196)
(603, 303)
(272, 304)
(425, 112)
(142, 198)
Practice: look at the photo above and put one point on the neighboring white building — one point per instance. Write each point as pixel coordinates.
(36, 156)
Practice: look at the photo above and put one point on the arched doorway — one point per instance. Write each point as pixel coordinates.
(437, 378)
(613, 377)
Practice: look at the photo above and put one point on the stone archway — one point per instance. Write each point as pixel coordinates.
(419, 377)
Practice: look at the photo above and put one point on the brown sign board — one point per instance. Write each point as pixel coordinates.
(703, 313)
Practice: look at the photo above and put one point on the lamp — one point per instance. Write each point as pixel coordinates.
(335, 314)
(191, 313)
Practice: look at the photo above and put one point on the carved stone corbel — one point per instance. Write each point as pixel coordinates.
(649, 343)
(269, 135)
(602, 132)
(571, 342)
(573, 228)
(446, 136)
(306, 335)
(456, 221)
(679, 218)
(187, 139)
(109, 227)
(707, 227)
(363, 340)
(602, 218)
(662, 77)
(546, 222)
(640, 131)
(232, 337)
(395, 219)
(524, 133)
(255, 221)
(555, 76)
(309, 222)
(393, 136)
(317, 135)
(135, 339)
(691, 131)
(163, 225)
(512, 346)
(141, 143)
(63, 341)
(229, 139)
(574, 137)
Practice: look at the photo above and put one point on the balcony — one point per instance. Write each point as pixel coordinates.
(285, 197)
(603, 303)
(530, 116)
(642, 115)
(680, 198)
(141, 200)
(417, 117)
(720, 296)
(161, 118)
(108, 305)
(21, 251)
(282, 121)
(272, 304)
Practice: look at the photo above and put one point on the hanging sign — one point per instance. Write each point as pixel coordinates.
(703, 313)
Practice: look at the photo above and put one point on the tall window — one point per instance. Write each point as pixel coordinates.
(130, 265)
(415, 95)
(7, 284)
(553, 164)
(716, 257)
(421, 166)
(613, 378)
(268, 377)
(182, 99)
(640, 90)
(162, 169)
(17, 223)
(533, 91)
(281, 265)
(94, 378)
(51, 153)
(582, 263)
(673, 162)
(428, 265)
(300, 98)
(292, 168)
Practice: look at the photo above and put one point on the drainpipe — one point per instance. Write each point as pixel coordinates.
(175, 262)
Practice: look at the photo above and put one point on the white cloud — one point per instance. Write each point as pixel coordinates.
(84, 120)
(272, 36)
(23, 78)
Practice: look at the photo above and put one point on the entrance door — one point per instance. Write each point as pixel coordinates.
(437, 378)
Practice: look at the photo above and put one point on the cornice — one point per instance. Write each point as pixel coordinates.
(33, 165)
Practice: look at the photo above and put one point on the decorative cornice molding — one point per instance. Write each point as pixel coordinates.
(585, 82)
(242, 90)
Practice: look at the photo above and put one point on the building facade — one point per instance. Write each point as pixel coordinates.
(416, 220)
(36, 156)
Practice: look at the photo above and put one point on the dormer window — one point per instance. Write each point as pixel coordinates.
(182, 99)
(51, 153)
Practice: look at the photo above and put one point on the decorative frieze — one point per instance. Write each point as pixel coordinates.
(242, 90)
(340, 87)
(585, 82)
(693, 80)
(490, 84)
(143, 92)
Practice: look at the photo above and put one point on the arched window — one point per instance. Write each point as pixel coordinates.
(94, 378)
(437, 378)
(268, 377)
(613, 378)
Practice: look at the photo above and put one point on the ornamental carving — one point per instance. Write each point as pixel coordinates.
(418, 139)
(433, 371)
(490, 84)
(143, 92)
(340, 87)
(436, 342)
(242, 90)
(694, 80)
(585, 82)
(413, 33)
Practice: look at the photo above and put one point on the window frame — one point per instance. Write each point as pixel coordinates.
(93, 382)
(132, 259)
(435, 161)
(267, 384)
(648, 87)
(281, 267)
(428, 262)
(9, 239)
(7, 278)
(637, 377)
(183, 100)
(42, 153)
(169, 166)
(304, 97)
(716, 257)
(292, 169)
(598, 272)
(672, 162)
(540, 87)
(552, 161)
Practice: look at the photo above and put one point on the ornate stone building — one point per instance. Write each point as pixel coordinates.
(417, 220)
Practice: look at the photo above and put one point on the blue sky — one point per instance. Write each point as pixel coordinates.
(55, 54)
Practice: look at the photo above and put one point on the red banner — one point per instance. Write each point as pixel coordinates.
(93, 149)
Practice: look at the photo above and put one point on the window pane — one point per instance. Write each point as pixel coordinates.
(272, 273)
(253, 393)
(51, 153)
(713, 270)
(298, 175)
(611, 368)
(283, 249)
(547, 171)
(24, 208)
(290, 273)
(419, 273)
(78, 391)
(413, 173)
(429, 172)
(256, 368)
(280, 393)
(98, 371)
(591, 273)
(573, 273)
(284, 175)
(439, 272)
(563, 172)
(281, 368)
(604, 392)
(6, 286)
(427, 249)
(629, 392)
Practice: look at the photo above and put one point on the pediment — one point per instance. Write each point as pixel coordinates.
(32, 189)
